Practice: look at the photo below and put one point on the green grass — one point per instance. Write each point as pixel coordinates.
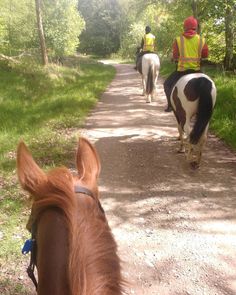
(223, 122)
(224, 118)
(45, 107)
(37, 103)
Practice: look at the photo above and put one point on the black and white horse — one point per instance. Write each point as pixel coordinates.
(193, 99)
(149, 69)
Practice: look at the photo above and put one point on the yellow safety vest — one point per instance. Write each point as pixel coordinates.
(190, 50)
(148, 42)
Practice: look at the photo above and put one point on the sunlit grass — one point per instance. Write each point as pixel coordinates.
(224, 118)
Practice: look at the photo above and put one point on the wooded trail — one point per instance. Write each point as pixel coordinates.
(175, 227)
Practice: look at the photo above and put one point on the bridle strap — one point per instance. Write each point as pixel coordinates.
(33, 254)
(30, 269)
(83, 190)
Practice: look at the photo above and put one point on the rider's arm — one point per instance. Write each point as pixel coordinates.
(204, 53)
(175, 51)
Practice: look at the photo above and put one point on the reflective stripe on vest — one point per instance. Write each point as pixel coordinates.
(148, 42)
(189, 52)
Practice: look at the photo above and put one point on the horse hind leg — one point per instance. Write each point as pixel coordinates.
(195, 152)
(194, 155)
(145, 93)
(201, 144)
(154, 86)
(182, 139)
(153, 94)
(149, 98)
(144, 86)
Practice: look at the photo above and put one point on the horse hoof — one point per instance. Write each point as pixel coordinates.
(194, 165)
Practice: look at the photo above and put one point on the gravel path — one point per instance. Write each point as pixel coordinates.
(175, 227)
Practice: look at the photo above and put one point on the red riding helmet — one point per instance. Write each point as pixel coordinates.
(190, 23)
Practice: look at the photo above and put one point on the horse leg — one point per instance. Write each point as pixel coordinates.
(201, 144)
(181, 138)
(189, 155)
(144, 85)
(155, 81)
(148, 96)
(154, 89)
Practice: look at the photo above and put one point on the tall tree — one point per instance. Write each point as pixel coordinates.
(229, 34)
(63, 25)
(41, 32)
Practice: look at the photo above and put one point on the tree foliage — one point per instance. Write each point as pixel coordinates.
(103, 25)
(17, 26)
(62, 25)
(217, 21)
(109, 26)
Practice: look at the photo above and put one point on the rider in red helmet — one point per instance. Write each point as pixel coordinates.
(188, 51)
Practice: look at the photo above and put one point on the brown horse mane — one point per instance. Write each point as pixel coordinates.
(91, 244)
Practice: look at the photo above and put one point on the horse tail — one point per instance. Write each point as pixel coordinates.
(150, 82)
(203, 88)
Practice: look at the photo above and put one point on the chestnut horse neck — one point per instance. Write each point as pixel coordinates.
(91, 257)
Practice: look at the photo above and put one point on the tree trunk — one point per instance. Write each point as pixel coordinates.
(194, 6)
(41, 33)
(229, 37)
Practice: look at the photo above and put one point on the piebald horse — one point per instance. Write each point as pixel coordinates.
(75, 251)
(193, 99)
(149, 69)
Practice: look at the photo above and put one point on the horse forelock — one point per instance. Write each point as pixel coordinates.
(57, 191)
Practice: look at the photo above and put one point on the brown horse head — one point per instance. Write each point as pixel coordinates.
(76, 251)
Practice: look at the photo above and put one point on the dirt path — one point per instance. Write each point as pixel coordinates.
(175, 227)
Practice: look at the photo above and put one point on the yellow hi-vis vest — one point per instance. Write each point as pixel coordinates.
(148, 42)
(190, 50)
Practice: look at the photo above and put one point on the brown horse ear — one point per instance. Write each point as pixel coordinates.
(87, 160)
(30, 176)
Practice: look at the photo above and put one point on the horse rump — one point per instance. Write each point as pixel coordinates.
(203, 89)
(193, 95)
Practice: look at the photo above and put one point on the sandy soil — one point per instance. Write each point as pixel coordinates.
(175, 227)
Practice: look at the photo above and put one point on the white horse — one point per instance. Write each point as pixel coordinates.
(150, 72)
(193, 97)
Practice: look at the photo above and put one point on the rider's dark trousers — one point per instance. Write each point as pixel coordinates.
(172, 80)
